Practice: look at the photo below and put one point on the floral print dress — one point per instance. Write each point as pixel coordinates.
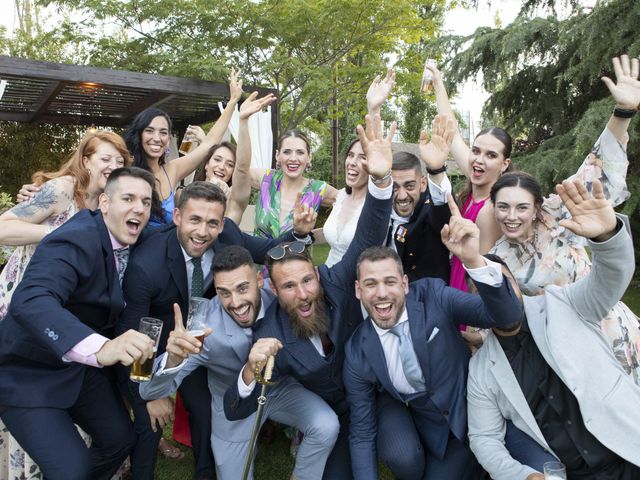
(556, 256)
(268, 205)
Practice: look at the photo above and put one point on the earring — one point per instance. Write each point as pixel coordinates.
(307, 169)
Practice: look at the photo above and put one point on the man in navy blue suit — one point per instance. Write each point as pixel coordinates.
(409, 360)
(162, 272)
(58, 334)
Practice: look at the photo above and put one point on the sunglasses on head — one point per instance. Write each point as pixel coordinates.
(278, 253)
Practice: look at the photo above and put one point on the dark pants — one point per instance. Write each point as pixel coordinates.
(197, 400)
(50, 437)
(400, 447)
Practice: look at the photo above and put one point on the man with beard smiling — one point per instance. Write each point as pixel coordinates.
(58, 334)
(316, 310)
(162, 273)
(409, 360)
(419, 213)
(240, 305)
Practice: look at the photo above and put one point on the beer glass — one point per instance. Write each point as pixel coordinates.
(141, 371)
(188, 143)
(554, 471)
(197, 319)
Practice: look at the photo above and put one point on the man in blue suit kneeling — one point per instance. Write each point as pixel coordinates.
(408, 360)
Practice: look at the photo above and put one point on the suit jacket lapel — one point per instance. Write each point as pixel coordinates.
(177, 266)
(116, 298)
(375, 355)
(418, 329)
(504, 377)
(301, 349)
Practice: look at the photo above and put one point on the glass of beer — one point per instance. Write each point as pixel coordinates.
(188, 143)
(197, 319)
(141, 371)
(554, 471)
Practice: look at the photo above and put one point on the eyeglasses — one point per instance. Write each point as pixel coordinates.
(278, 253)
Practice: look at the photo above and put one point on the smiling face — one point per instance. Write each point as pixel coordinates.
(126, 209)
(407, 187)
(100, 164)
(293, 156)
(221, 165)
(198, 224)
(300, 294)
(355, 176)
(155, 138)
(382, 289)
(239, 293)
(486, 160)
(515, 212)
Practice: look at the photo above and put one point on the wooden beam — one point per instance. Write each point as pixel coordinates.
(48, 95)
(152, 100)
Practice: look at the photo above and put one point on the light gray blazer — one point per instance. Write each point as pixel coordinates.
(565, 324)
(224, 354)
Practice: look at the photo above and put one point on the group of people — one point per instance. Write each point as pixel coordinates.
(372, 349)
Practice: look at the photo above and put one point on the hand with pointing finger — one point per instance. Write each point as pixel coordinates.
(462, 237)
(180, 344)
(304, 217)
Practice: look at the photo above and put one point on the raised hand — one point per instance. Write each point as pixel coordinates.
(196, 133)
(180, 344)
(235, 86)
(379, 91)
(304, 217)
(221, 185)
(434, 153)
(437, 76)
(125, 349)
(376, 147)
(462, 237)
(626, 92)
(591, 216)
(252, 104)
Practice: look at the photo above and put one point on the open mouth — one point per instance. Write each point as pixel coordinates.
(133, 226)
(197, 244)
(383, 309)
(477, 171)
(512, 227)
(220, 175)
(242, 313)
(352, 175)
(292, 167)
(305, 309)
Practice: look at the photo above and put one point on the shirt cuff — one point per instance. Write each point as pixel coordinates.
(245, 390)
(490, 274)
(439, 192)
(378, 192)
(85, 351)
(162, 362)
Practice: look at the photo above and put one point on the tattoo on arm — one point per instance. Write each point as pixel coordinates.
(43, 200)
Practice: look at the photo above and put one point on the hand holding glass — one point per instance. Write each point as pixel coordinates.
(554, 471)
(197, 319)
(152, 327)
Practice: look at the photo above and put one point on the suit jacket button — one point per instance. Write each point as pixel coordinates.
(411, 254)
(446, 413)
(46, 331)
(55, 337)
(51, 334)
(413, 267)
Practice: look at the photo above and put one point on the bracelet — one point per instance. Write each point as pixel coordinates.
(624, 112)
(378, 181)
(436, 171)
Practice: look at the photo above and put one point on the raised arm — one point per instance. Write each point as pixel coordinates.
(183, 166)
(23, 223)
(607, 160)
(459, 149)
(241, 180)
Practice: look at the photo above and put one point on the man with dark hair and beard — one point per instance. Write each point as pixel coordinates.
(317, 310)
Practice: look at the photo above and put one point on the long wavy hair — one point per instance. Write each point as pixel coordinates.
(75, 168)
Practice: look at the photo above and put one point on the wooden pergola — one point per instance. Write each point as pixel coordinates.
(48, 92)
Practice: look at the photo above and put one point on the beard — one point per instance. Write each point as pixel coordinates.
(311, 326)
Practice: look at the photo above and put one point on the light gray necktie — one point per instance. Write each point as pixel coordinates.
(122, 254)
(410, 364)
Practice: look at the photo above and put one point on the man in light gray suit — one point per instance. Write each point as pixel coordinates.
(553, 374)
(240, 303)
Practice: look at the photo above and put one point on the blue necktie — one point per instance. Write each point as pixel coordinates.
(122, 254)
(410, 364)
(197, 278)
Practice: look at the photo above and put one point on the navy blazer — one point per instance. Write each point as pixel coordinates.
(418, 241)
(69, 291)
(156, 276)
(299, 358)
(435, 312)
